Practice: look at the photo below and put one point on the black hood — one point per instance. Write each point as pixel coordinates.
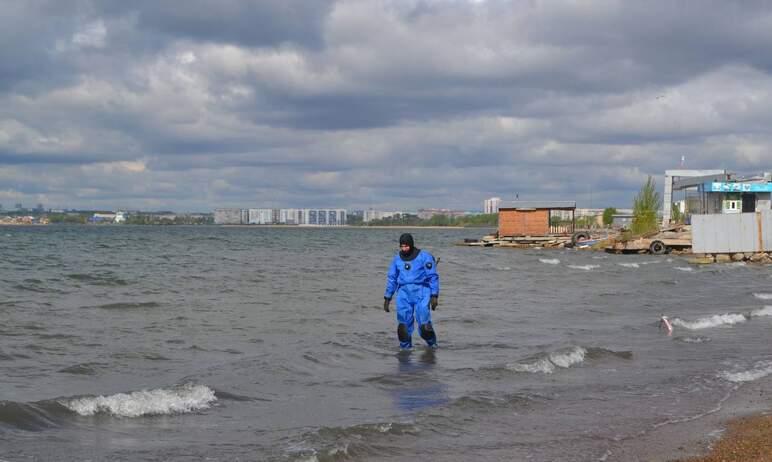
(410, 254)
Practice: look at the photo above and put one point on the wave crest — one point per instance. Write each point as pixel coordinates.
(759, 371)
(547, 365)
(550, 261)
(180, 400)
(766, 311)
(716, 320)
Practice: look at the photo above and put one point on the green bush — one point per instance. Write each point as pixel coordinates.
(645, 206)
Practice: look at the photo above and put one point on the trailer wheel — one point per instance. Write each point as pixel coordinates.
(579, 236)
(658, 248)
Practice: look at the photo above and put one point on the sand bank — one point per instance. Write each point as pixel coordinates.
(738, 430)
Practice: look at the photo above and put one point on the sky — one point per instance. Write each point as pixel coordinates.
(383, 104)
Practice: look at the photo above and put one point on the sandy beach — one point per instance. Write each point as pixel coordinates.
(739, 430)
(747, 439)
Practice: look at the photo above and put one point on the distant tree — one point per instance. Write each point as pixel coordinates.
(608, 215)
(675, 214)
(585, 222)
(645, 206)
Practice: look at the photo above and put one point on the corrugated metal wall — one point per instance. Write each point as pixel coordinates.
(766, 227)
(732, 233)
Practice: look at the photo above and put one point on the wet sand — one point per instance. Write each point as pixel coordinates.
(739, 430)
(747, 439)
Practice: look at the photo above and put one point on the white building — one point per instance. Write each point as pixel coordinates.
(228, 217)
(260, 217)
(370, 215)
(323, 217)
(290, 216)
(491, 205)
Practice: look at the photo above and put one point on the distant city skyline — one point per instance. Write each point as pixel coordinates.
(383, 104)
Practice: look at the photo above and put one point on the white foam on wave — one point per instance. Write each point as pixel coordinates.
(563, 359)
(630, 265)
(766, 311)
(584, 267)
(684, 268)
(727, 319)
(567, 359)
(550, 261)
(694, 339)
(543, 365)
(762, 296)
(179, 400)
(759, 371)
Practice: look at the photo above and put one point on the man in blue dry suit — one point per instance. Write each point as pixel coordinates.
(413, 276)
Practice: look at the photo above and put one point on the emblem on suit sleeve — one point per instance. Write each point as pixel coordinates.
(429, 265)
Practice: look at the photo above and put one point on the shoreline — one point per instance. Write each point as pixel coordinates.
(748, 438)
(746, 412)
(351, 227)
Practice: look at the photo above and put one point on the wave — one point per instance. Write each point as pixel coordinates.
(685, 269)
(711, 321)
(179, 400)
(346, 443)
(697, 339)
(550, 261)
(481, 402)
(763, 296)
(100, 279)
(630, 265)
(82, 369)
(127, 305)
(31, 416)
(766, 311)
(584, 267)
(760, 370)
(549, 363)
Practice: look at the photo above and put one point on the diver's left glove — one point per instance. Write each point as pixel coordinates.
(433, 302)
(386, 302)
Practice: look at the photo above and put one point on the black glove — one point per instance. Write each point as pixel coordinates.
(386, 304)
(433, 302)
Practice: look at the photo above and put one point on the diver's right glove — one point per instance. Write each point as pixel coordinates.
(386, 302)
(433, 302)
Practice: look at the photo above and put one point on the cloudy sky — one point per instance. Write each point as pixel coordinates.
(390, 104)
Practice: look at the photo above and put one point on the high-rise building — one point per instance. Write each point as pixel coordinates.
(491, 205)
(260, 217)
(324, 217)
(228, 217)
(370, 215)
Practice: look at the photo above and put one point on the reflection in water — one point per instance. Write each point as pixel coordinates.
(418, 390)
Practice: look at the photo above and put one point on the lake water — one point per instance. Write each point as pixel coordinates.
(220, 344)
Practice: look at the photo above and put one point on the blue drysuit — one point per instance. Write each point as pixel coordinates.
(414, 282)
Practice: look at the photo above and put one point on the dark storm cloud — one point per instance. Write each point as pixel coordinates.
(391, 104)
(27, 42)
(253, 23)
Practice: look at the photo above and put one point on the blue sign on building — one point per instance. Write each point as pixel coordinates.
(718, 186)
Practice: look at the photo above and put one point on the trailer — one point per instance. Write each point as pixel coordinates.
(678, 238)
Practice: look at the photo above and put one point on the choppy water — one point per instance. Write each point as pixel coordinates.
(207, 343)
